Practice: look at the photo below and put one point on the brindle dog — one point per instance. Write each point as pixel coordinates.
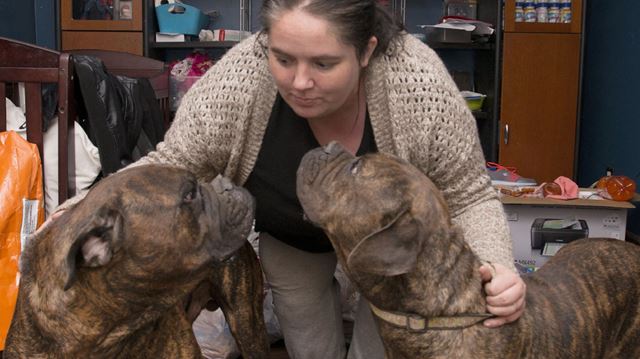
(111, 277)
(393, 235)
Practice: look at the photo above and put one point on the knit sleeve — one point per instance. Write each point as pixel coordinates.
(456, 164)
(212, 116)
(436, 132)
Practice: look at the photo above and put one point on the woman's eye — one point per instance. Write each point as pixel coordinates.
(283, 62)
(324, 65)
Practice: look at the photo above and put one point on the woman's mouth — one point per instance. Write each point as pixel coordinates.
(303, 101)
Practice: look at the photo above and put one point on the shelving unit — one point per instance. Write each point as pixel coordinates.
(484, 71)
(193, 45)
(482, 63)
(436, 45)
(162, 50)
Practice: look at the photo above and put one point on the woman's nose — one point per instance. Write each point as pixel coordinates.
(302, 79)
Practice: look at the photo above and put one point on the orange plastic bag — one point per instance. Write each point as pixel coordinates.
(617, 188)
(21, 196)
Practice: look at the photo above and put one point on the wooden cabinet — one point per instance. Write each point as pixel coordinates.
(540, 95)
(102, 24)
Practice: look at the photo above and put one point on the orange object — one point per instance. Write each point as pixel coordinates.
(551, 189)
(602, 183)
(20, 179)
(619, 188)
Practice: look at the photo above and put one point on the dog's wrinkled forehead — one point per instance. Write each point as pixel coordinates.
(150, 181)
(333, 183)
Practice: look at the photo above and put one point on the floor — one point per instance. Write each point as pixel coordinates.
(278, 350)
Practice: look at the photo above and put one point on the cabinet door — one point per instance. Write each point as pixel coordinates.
(539, 103)
(106, 15)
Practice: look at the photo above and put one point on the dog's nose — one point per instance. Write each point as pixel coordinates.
(315, 160)
(333, 148)
(222, 184)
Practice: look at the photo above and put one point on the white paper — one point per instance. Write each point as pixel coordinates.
(477, 27)
(29, 219)
(169, 37)
(446, 25)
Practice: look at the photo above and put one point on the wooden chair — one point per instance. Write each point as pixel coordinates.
(35, 66)
(130, 65)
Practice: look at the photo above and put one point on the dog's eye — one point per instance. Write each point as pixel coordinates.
(355, 166)
(190, 196)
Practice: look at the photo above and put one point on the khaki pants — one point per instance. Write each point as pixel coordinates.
(307, 304)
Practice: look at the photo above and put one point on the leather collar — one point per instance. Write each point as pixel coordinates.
(419, 324)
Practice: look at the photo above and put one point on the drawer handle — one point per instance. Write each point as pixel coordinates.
(506, 134)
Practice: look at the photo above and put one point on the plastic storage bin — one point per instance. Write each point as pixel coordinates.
(180, 19)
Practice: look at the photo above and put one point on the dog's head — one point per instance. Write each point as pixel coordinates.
(145, 228)
(376, 209)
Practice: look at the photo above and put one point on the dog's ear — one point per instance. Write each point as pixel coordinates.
(94, 244)
(391, 250)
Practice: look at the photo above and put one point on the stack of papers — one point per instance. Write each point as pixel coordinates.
(476, 27)
(170, 37)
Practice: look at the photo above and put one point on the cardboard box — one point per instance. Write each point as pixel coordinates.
(230, 35)
(602, 218)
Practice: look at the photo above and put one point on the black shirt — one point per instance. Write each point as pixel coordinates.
(273, 179)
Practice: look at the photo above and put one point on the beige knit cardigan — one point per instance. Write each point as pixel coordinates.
(416, 113)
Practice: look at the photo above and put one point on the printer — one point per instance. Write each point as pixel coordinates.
(550, 234)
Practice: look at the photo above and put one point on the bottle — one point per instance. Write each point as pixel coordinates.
(553, 11)
(541, 10)
(519, 11)
(565, 11)
(529, 12)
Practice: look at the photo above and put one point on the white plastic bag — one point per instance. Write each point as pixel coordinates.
(214, 336)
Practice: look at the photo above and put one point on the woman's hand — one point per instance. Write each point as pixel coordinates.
(505, 294)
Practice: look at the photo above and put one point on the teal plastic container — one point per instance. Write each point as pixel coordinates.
(180, 19)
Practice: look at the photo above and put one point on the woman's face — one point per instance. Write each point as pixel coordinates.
(315, 72)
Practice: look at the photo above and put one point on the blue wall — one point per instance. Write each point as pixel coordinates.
(17, 21)
(610, 123)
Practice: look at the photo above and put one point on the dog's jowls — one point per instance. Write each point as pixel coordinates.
(393, 236)
(113, 276)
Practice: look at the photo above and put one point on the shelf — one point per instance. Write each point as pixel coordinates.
(480, 115)
(436, 45)
(510, 24)
(542, 27)
(192, 44)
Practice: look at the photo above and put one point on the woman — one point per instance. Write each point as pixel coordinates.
(324, 70)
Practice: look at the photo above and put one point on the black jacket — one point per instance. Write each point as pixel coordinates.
(120, 114)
